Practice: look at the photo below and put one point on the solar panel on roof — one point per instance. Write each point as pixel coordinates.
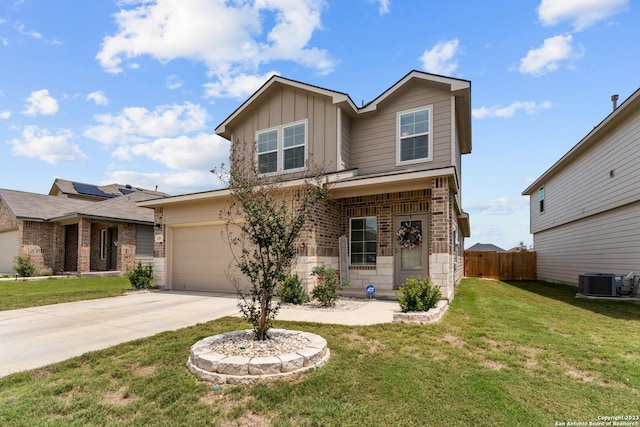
(91, 190)
(126, 191)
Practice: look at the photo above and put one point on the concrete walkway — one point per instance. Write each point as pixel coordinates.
(37, 336)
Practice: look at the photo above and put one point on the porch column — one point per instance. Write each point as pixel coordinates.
(441, 259)
(159, 249)
(84, 246)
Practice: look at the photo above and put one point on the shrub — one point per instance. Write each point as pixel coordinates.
(291, 290)
(418, 295)
(141, 275)
(23, 266)
(326, 290)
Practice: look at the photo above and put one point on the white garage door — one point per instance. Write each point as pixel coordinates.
(8, 249)
(200, 259)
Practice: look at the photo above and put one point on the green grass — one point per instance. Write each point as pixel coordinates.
(22, 294)
(505, 354)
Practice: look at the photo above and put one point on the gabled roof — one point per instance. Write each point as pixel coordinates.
(459, 88)
(41, 207)
(485, 247)
(96, 192)
(628, 108)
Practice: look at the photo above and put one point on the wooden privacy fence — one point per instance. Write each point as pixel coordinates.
(501, 265)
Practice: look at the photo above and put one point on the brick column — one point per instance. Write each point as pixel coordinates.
(84, 246)
(126, 246)
(441, 259)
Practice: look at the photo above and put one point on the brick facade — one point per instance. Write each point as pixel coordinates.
(36, 239)
(46, 242)
(331, 220)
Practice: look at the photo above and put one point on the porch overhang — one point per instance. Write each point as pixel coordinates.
(463, 224)
(391, 182)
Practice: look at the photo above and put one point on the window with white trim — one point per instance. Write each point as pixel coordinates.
(414, 142)
(363, 240)
(541, 197)
(283, 148)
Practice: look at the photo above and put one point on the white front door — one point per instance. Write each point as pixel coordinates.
(411, 247)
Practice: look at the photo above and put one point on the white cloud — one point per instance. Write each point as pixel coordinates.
(173, 82)
(441, 58)
(98, 97)
(547, 57)
(37, 143)
(230, 38)
(137, 124)
(171, 183)
(40, 102)
(498, 206)
(581, 13)
(239, 86)
(498, 111)
(31, 33)
(383, 6)
(201, 152)
(5, 114)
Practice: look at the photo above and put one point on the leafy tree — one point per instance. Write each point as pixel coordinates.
(522, 247)
(268, 215)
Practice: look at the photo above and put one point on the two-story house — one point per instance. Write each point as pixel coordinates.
(585, 209)
(394, 165)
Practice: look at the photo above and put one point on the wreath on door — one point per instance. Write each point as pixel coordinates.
(409, 236)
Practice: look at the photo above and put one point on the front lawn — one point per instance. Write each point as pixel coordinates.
(30, 293)
(505, 354)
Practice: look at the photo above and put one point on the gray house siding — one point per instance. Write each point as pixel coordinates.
(373, 146)
(144, 243)
(591, 216)
(604, 243)
(605, 176)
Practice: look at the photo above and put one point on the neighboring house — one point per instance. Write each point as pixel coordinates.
(78, 228)
(585, 209)
(393, 163)
(485, 247)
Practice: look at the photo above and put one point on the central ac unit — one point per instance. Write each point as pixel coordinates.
(599, 284)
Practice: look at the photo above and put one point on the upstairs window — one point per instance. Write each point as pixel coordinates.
(414, 136)
(541, 197)
(282, 149)
(268, 151)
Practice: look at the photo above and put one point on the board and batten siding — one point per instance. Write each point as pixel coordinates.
(373, 143)
(603, 243)
(285, 105)
(345, 134)
(605, 176)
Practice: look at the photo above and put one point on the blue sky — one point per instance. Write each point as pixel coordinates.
(130, 91)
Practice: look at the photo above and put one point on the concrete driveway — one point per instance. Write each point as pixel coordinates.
(37, 336)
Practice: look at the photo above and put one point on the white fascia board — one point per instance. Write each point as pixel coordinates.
(387, 179)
